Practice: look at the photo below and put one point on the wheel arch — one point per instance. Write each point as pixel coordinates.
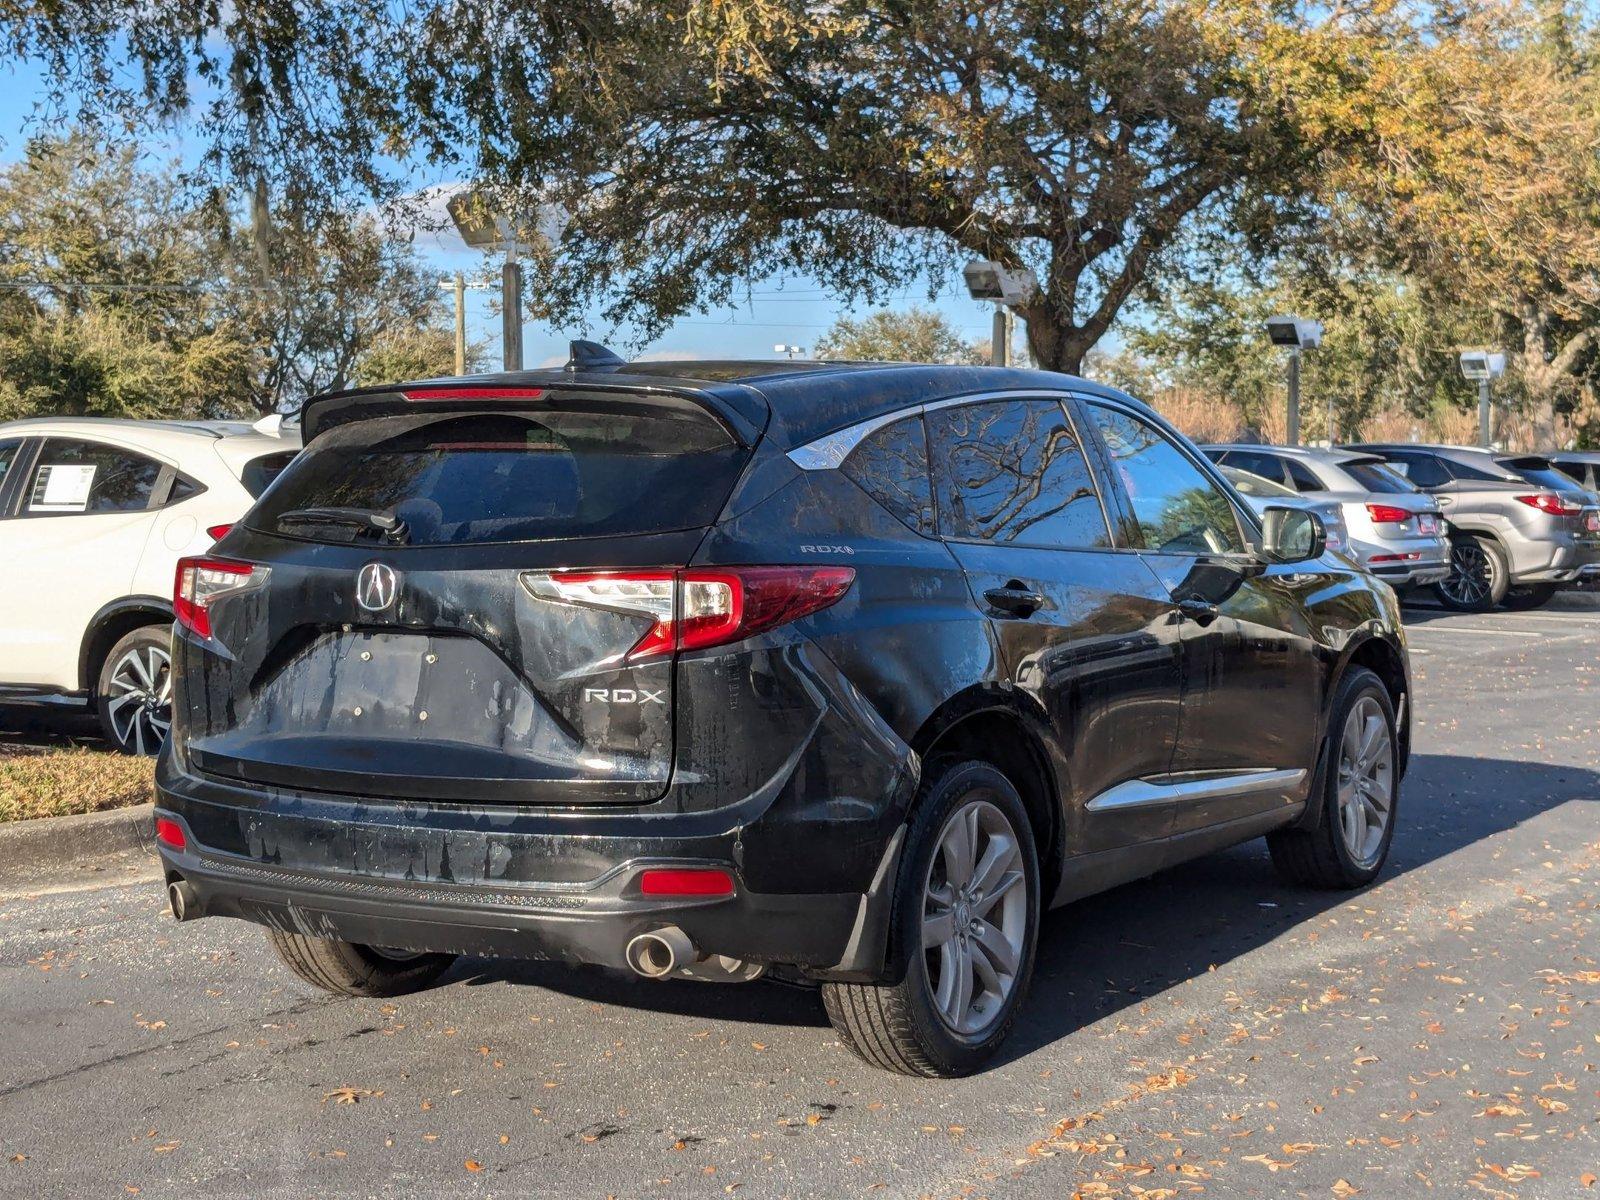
(108, 626)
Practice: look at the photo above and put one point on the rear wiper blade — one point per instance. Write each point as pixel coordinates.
(386, 523)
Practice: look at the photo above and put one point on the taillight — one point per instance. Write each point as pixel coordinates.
(1549, 502)
(697, 609)
(1388, 514)
(686, 881)
(170, 833)
(202, 581)
(217, 532)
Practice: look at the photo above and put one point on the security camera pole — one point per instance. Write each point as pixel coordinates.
(1297, 334)
(1483, 367)
(1006, 288)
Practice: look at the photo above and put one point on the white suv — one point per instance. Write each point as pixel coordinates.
(94, 515)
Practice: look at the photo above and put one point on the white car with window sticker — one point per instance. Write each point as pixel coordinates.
(94, 515)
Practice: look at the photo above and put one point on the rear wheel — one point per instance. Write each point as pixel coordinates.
(1479, 575)
(135, 690)
(963, 936)
(1359, 792)
(348, 969)
(1529, 596)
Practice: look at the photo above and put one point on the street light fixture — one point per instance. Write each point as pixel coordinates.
(1483, 367)
(483, 229)
(1297, 334)
(1006, 287)
(791, 351)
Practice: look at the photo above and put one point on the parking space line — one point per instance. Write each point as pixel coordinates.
(1480, 630)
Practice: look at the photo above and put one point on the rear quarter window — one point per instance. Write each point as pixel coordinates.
(891, 466)
(511, 476)
(1377, 477)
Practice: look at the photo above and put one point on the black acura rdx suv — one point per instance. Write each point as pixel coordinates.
(845, 672)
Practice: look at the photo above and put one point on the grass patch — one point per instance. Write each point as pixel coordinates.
(57, 782)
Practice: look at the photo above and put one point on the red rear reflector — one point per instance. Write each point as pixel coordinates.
(170, 833)
(1549, 502)
(474, 393)
(696, 881)
(200, 581)
(1388, 514)
(1410, 557)
(217, 532)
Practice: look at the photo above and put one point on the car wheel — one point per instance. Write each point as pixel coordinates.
(1529, 596)
(963, 934)
(1359, 793)
(135, 690)
(348, 969)
(1479, 575)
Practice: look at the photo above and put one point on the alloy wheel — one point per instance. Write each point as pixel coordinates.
(1471, 578)
(1366, 781)
(974, 917)
(139, 699)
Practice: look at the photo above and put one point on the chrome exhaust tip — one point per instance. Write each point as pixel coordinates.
(660, 952)
(183, 900)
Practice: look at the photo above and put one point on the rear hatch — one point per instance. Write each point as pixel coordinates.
(417, 620)
(1559, 496)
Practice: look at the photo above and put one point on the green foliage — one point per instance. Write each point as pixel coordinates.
(907, 335)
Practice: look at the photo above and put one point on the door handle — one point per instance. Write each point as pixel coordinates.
(1200, 611)
(1444, 501)
(1016, 598)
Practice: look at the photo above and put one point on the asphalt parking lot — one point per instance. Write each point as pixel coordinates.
(1205, 1031)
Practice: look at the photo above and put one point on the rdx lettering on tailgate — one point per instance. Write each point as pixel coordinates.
(624, 695)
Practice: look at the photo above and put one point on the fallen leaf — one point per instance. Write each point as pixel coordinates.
(473, 1164)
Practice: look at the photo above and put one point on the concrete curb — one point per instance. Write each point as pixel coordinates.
(53, 851)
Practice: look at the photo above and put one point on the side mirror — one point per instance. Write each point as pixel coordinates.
(1291, 535)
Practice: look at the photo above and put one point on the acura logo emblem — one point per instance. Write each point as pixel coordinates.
(376, 586)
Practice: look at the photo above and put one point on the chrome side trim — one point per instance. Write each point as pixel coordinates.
(830, 450)
(1146, 793)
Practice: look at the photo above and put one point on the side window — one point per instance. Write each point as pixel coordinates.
(891, 466)
(1178, 508)
(8, 455)
(1267, 466)
(1423, 470)
(1302, 478)
(87, 477)
(1012, 472)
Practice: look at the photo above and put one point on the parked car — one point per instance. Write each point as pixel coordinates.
(1261, 494)
(94, 515)
(1395, 530)
(1518, 532)
(705, 669)
(1581, 466)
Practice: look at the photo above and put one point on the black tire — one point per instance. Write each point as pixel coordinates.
(1529, 596)
(346, 969)
(133, 693)
(1321, 858)
(1480, 575)
(897, 1025)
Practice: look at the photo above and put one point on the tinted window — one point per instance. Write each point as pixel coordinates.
(891, 465)
(1376, 477)
(1537, 471)
(88, 477)
(1576, 471)
(1485, 473)
(1424, 470)
(504, 477)
(1267, 466)
(1248, 483)
(1013, 472)
(1302, 477)
(1178, 507)
(8, 454)
(259, 472)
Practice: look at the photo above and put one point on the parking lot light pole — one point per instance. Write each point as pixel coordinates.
(1297, 334)
(1483, 367)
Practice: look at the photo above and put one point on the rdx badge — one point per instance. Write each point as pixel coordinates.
(624, 695)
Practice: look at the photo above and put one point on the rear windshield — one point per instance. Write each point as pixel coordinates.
(1539, 472)
(1376, 477)
(507, 477)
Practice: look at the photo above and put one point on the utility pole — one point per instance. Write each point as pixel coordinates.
(1484, 413)
(461, 323)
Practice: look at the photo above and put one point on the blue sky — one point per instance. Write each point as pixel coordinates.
(790, 310)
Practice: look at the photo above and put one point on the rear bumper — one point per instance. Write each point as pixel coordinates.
(1411, 574)
(503, 884)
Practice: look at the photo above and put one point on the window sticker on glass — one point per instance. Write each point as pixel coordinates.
(62, 487)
